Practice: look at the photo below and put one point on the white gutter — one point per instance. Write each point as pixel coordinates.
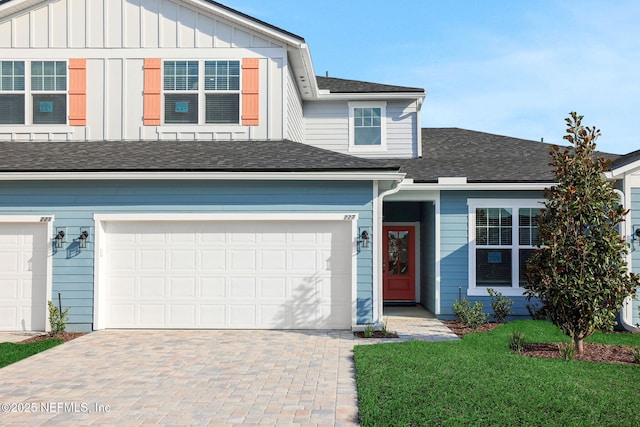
(377, 259)
(369, 96)
(411, 186)
(150, 175)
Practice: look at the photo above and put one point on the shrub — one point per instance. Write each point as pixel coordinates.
(57, 320)
(501, 305)
(368, 331)
(516, 343)
(567, 350)
(472, 316)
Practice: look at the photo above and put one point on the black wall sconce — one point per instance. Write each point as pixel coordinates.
(365, 239)
(82, 239)
(636, 232)
(59, 238)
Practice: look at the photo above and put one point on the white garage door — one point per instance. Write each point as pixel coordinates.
(23, 271)
(233, 274)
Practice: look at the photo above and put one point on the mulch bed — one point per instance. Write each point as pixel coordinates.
(65, 336)
(377, 334)
(592, 352)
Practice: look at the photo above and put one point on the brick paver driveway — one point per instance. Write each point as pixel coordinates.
(185, 378)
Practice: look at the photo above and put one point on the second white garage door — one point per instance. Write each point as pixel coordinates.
(232, 274)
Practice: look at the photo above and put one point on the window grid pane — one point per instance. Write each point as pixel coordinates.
(493, 227)
(367, 124)
(221, 75)
(49, 76)
(528, 234)
(11, 75)
(181, 75)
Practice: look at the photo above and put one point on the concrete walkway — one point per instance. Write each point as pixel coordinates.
(201, 377)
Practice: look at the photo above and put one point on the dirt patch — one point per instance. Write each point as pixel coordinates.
(592, 352)
(65, 336)
(461, 330)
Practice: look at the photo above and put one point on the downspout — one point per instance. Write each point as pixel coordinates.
(627, 305)
(395, 187)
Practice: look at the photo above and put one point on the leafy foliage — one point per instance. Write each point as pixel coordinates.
(579, 274)
(501, 305)
(473, 316)
(57, 320)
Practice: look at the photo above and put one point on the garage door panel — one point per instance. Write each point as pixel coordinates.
(23, 276)
(182, 287)
(213, 287)
(213, 260)
(232, 274)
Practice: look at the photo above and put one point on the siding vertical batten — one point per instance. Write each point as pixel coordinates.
(152, 86)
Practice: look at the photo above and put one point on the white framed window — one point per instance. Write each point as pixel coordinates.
(367, 126)
(503, 234)
(33, 92)
(49, 92)
(12, 93)
(201, 92)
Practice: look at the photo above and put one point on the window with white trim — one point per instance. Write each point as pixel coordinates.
(502, 235)
(201, 92)
(367, 126)
(33, 93)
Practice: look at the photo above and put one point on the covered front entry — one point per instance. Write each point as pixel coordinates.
(398, 276)
(227, 274)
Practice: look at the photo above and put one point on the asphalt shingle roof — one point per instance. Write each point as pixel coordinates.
(480, 157)
(335, 85)
(209, 156)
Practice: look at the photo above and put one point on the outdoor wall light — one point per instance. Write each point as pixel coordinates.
(59, 238)
(364, 239)
(82, 239)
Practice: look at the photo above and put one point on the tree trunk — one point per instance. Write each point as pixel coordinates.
(578, 344)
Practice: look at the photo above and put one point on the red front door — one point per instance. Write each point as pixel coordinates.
(399, 270)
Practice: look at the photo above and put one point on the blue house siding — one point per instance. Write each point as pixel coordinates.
(635, 248)
(454, 247)
(74, 202)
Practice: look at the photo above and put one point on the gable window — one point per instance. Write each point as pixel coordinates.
(12, 92)
(191, 87)
(367, 126)
(502, 236)
(49, 92)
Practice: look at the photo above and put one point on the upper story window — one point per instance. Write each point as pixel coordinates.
(47, 92)
(191, 87)
(502, 236)
(12, 92)
(367, 130)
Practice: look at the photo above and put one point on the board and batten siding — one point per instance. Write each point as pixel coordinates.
(454, 248)
(635, 250)
(294, 119)
(327, 126)
(115, 37)
(74, 203)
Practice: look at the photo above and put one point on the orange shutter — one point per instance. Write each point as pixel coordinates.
(78, 92)
(152, 86)
(250, 91)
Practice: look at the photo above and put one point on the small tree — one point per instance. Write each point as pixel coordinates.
(579, 272)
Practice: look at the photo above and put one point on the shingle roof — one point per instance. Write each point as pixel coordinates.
(480, 157)
(209, 156)
(335, 85)
(626, 159)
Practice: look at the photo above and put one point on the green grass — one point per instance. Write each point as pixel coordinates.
(12, 352)
(478, 381)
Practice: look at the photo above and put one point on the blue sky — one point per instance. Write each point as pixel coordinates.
(508, 67)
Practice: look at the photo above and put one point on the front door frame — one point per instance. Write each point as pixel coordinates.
(416, 252)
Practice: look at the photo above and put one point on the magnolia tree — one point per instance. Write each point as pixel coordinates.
(579, 272)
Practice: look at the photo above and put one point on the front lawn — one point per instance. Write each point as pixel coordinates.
(479, 381)
(12, 352)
